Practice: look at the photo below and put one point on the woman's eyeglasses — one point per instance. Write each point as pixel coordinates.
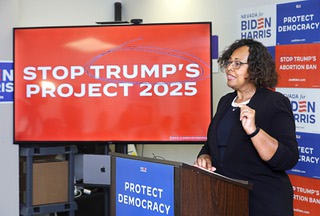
(235, 64)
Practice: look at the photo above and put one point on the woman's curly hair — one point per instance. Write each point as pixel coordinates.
(262, 70)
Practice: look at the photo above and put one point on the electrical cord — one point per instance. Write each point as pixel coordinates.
(77, 192)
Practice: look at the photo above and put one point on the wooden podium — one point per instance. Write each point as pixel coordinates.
(196, 191)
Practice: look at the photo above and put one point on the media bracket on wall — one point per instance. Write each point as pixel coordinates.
(133, 21)
(112, 22)
(136, 21)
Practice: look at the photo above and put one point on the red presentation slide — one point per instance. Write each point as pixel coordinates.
(129, 83)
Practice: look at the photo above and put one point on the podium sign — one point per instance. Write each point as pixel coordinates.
(144, 188)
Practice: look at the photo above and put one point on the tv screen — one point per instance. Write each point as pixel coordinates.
(148, 83)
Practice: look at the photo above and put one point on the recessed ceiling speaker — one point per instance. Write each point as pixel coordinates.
(117, 11)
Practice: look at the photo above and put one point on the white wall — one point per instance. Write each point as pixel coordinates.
(9, 179)
(61, 12)
(15, 13)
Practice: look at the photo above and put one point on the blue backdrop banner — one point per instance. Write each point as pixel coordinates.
(298, 22)
(6, 81)
(309, 159)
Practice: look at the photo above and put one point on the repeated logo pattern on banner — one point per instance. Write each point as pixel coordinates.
(291, 31)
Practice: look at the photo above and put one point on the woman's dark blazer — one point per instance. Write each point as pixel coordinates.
(272, 192)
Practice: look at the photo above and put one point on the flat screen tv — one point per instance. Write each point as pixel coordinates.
(148, 83)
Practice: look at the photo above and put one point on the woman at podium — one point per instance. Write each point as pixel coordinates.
(252, 134)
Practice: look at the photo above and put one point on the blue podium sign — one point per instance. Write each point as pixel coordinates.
(144, 188)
